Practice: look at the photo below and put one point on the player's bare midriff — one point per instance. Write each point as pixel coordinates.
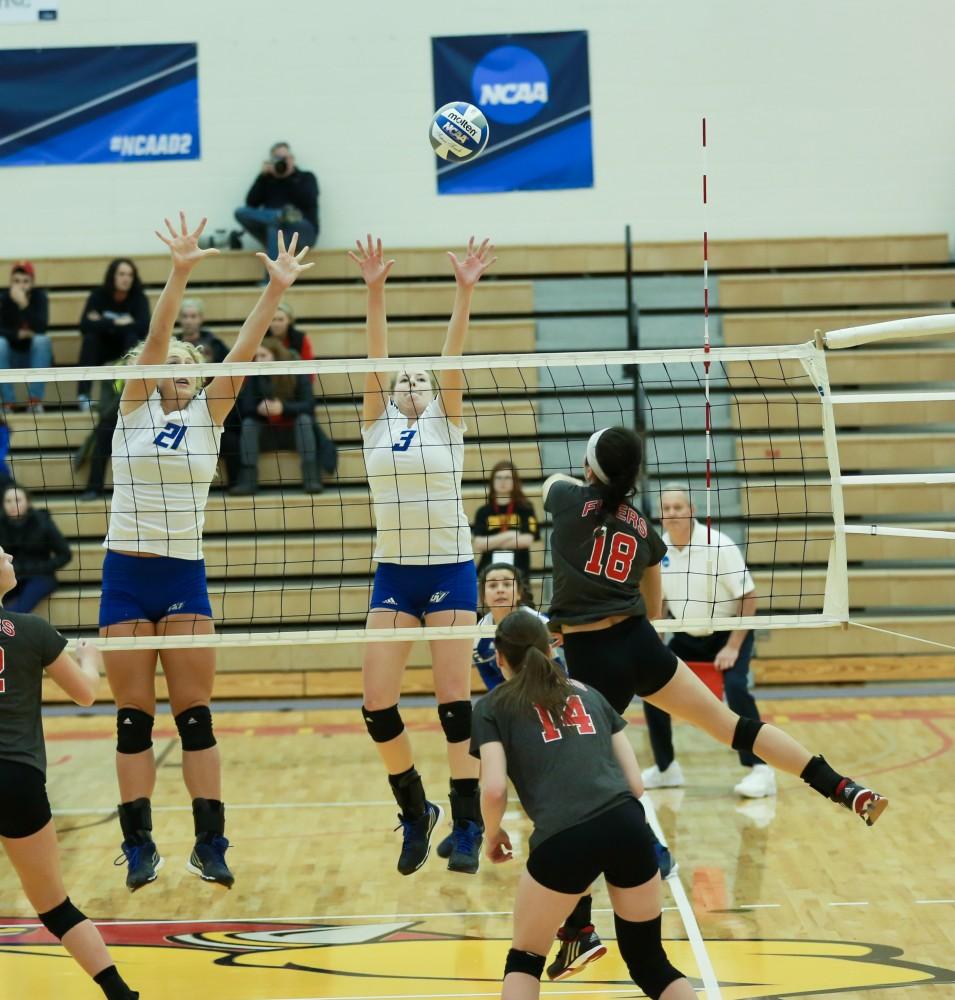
(597, 625)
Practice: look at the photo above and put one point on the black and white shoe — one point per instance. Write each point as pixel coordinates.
(862, 801)
(578, 947)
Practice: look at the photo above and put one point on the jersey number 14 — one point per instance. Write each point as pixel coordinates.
(623, 548)
(574, 715)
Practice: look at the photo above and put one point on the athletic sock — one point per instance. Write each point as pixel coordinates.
(820, 776)
(208, 817)
(136, 820)
(409, 793)
(580, 916)
(113, 985)
(466, 801)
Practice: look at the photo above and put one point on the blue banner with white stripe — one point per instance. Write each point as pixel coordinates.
(105, 104)
(534, 90)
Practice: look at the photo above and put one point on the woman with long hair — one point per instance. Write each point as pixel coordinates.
(165, 453)
(37, 546)
(413, 437)
(28, 647)
(608, 590)
(114, 318)
(564, 748)
(506, 526)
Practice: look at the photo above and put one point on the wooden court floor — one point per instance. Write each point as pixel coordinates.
(794, 897)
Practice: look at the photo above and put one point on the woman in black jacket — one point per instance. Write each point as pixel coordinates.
(115, 318)
(37, 546)
(284, 407)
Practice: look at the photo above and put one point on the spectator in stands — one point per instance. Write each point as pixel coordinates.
(24, 342)
(281, 197)
(283, 329)
(192, 331)
(506, 526)
(283, 407)
(115, 317)
(98, 446)
(37, 546)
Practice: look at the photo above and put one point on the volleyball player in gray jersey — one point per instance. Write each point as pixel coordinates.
(608, 590)
(28, 646)
(563, 747)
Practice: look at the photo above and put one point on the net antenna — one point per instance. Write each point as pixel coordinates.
(710, 576)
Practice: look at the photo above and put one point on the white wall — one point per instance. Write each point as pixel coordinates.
(825, 118)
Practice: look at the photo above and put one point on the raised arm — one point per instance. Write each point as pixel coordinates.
(184, 248)
(223, 390)
(467, 273)
(374, 271)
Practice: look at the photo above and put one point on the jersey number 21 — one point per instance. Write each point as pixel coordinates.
(170, 436)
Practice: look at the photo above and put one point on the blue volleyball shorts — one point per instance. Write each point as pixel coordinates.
(420, 590)
(150, 589)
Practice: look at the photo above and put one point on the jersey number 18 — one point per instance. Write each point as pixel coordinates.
(623, 548)
(574, 715)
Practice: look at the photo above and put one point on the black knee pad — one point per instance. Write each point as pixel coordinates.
(195, 728)
(134, 730)
(62, 919)
(384, 724)
(455, 719)
(642, 950)
(526, 962)
(746, 732)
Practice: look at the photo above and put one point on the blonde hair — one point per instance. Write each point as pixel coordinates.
(193, 304)
(284, 307)
(186, 353)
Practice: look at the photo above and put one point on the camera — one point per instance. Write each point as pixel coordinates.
(280, 165)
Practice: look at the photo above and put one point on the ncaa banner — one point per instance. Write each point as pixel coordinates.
(106, 104)
(534, 90)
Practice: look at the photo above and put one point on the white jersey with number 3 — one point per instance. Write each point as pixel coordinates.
(414, 474)
(163, 464)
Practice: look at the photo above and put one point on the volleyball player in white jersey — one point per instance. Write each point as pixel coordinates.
(413, 434)
(165, 453)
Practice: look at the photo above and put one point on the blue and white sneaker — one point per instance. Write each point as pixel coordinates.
(416, 838)
(208, 861)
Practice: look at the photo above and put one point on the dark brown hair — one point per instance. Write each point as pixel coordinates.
(284, 386)
(524, 642)
(523, 587)
(518, 496)
(620, 455)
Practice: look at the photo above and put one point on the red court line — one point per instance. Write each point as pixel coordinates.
(356, 728)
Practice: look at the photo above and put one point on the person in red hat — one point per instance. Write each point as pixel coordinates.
(24, 343)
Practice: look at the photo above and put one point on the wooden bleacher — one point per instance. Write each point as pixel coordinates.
(263, 553)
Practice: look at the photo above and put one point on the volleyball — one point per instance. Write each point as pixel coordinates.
(459, 131)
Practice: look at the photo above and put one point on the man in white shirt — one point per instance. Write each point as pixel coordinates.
(705, 580)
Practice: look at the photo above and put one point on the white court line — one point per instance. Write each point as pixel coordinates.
(107, 810)
(711, 985)
(760, 906)
(847, 904)
(928, 901)
(620, 991)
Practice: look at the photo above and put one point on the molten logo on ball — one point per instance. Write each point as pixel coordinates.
(459, 131)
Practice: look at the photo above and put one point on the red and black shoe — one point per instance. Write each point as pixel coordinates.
(578, 947)
(861, 800)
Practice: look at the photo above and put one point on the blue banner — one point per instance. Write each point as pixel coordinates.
(107, 104)
(534, 91)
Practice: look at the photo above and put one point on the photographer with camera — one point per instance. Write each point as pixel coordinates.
(281, 197)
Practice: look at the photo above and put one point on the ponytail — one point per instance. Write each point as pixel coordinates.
(619, 454)
(524, 642)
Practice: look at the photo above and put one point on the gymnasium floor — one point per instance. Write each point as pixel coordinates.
(793, 898)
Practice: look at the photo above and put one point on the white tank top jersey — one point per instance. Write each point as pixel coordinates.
(163, 464)
(414, 474)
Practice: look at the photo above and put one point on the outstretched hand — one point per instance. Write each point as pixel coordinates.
(184, 246)
(371, 262)
(468, 272)
(287, 266)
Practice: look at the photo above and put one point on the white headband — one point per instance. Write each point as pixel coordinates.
(592, 456)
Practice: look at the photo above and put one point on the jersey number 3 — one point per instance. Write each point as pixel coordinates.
(170, 436)
(623, 548)
(574, 715)
(404, 440)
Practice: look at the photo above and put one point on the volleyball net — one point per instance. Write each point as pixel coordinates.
(750, 433)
